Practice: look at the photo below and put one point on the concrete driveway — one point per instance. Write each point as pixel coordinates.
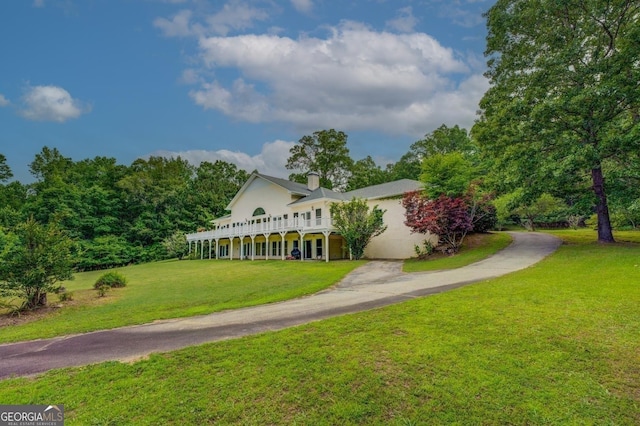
(378, 283)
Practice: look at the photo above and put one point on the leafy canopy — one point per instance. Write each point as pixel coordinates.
(564, 99)
(33, 260)
(357, 224)
(326, 153)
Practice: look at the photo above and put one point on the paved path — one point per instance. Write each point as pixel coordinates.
(378, 283)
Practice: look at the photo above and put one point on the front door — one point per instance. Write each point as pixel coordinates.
(307, 249)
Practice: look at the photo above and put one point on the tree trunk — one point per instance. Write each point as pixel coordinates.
(605, 234)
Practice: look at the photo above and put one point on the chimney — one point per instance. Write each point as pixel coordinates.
(313, 181)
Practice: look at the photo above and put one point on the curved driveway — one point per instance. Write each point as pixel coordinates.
(378, 283)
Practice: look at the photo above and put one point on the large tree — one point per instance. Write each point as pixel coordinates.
(326, 153)
(33, 260)
(564, 99)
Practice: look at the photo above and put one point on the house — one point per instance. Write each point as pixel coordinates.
(270, 217)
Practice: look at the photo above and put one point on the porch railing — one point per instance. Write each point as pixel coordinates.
(266, 227)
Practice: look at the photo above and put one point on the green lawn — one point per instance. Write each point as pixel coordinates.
(175, 289)
(476, 247)
(557, 343)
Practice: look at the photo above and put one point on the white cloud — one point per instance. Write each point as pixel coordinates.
(355, 79)
(38, 3)
(178, 26)
(271, 160)
(3, 101)
(303, 6)
(234, 16)
(405, 22)
(51, 103)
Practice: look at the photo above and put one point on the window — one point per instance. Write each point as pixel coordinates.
(276, 246)
(318, 217)
(258, 212)
(319, 248)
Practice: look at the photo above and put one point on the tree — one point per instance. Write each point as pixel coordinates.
(564, 99)
(176, 245)
(357, 224)
(326, 153)
(365, 173)
(449, 174)
(33, 262)
(5, 170)
(447, 217)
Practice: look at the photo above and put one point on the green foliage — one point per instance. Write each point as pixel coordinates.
(326, 153)
(544, 206)
(563, 103)
(103, 289)
(176, 245)
(5, 170)
(449, 174)
(33, 260)
(357, 224)
(426, 250)
(65, 296)
(112, 279)
(365, 173)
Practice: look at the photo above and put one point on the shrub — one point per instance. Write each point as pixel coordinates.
(111, 280)
(102, 290)
(66, 296)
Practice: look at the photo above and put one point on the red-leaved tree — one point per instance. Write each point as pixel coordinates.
(446, 217)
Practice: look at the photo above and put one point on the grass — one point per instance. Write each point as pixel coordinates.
(476, 247)
(175, 289)
(557, 343)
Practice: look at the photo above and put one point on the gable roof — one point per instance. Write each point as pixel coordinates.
(384, 190)
(374, 192)
(292, 187)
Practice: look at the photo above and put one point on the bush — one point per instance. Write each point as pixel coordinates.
(65, 296)
(111, 280)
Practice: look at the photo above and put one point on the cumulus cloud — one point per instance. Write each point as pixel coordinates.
(303, 6)
(354, 79)
(51, 103)
(233, 16)
(405, 22)
(271, 160)
(3, 101)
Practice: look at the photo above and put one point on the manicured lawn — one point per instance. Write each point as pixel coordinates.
(175, 289)
(557, 343)
(476, 247)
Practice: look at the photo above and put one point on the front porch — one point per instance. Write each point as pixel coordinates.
(315, 239)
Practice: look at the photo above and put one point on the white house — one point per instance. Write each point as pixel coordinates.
(270, 217)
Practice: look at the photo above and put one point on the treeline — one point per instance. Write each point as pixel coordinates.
(118, 214)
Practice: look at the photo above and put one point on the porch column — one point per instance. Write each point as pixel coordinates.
(201, 249)
(242, 248)
(189, 247)
(253, 247)
(302, 247)
(217, 248)
(231, 249)
(266, 236)
(209, 249)
(326, 245)
(282, 235)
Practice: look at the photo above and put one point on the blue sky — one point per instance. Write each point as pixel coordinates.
(237, 80)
